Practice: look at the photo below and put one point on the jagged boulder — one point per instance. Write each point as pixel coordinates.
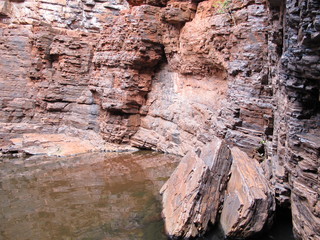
(192, 195)
(249, 202)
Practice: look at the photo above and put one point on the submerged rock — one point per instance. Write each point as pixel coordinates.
(249, 202)
(192, 195)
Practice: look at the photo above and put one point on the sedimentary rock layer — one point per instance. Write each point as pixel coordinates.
(296, 140)
(200, 190)
(193, 194)
(249, 202)
(172, 76)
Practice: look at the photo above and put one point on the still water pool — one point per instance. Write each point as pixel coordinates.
(92, 196)
(101, 196)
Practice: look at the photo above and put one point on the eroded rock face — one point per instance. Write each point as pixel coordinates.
(102, 81)
(26, 140)
(249, 201)
(88, 15)
(179, 112)
(172, 76)
(194, 192)
(216, 78)
(296, 140)
(78, 78)
(178, 12)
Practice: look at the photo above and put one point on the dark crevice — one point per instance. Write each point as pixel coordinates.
(281, 228)
(317, 98)
(3, 16)
(144, 148)
(52, 58)
(118, 112)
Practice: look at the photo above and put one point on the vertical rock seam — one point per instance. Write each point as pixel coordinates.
(249, 202)
(194, 192)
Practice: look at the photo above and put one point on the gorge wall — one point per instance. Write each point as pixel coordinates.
(172, 76)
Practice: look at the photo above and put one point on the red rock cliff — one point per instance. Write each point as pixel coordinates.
(171, 76)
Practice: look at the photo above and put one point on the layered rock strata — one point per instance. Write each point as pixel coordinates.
(217, 79)
(193, 194)
(77, 81)
(249, 201)
(296, 153)
(172, 76)
(199, 193)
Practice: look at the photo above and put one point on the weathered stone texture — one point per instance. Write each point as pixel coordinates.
(124, 62)
(248, 114)
(172, 76)
(88, 15)
(193, 194)
(180, 113)
(178, 12)
(101, 81)
(16, 102)
(59, 77)
(296, 138)
(79, 78)
(213, 58)
(249, 201)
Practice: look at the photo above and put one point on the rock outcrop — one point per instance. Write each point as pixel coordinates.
(203, 187)
(58, 144)
(217, 77)
(249, 202)
(295, 154)
(193, 194)
(172, 76)
(78, 78)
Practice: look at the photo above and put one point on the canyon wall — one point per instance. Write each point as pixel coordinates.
(295, 156)
(172, 76)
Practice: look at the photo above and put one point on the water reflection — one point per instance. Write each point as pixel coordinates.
(92, 196)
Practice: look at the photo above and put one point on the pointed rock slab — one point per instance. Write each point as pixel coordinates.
(249, 202)
(192, 195)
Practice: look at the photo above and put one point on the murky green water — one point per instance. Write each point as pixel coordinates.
(92, 196)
